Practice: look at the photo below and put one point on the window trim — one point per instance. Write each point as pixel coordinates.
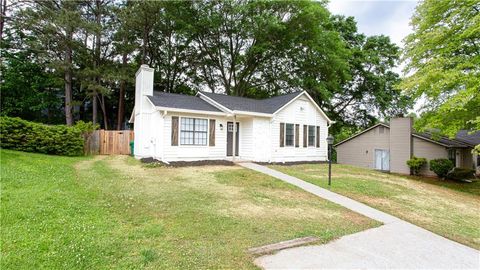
(293, 132)
(180, 132)
(314, 135)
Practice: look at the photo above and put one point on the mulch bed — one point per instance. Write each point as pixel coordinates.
(188, 163)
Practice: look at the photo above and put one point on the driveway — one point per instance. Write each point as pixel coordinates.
(396, 244)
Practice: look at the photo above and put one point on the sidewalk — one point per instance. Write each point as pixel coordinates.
(396, 244)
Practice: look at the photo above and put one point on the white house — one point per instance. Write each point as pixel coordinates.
(172, 127)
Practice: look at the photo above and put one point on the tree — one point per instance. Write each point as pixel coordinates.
(442, 59)
(29, 91)
(248, 47)
(370, 91)
(53, 24)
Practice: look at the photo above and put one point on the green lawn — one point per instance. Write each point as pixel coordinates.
(113, 212)
(448, 208)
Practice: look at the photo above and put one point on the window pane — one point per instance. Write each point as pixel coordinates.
(289, 134)
(193, 131)
(311, 135)
(201, 124)
(186, 124)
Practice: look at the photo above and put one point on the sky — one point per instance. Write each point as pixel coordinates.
(377, 17)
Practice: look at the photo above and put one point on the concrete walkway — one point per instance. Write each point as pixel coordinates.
(396, 244)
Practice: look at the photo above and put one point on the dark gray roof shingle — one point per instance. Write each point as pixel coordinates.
(443, 140)
(179, 101)
(465, 136)
(268, 105)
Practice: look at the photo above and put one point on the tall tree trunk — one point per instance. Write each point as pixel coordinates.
(102, 105)
(94, 109)
(68, 80)
(96, 62)
(121, 96)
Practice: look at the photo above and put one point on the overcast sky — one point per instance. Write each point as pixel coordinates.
(376, 17)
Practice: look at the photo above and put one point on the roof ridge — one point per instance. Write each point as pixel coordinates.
(257, 99)
(178, 94)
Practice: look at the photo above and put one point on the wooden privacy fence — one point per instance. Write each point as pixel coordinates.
(109, 142)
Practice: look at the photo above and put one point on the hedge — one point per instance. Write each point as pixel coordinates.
(22, 135)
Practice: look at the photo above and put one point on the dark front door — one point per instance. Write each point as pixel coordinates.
(230, 139)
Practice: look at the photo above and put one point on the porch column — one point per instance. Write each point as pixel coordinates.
(234, 143)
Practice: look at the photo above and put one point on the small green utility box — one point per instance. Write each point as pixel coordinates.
(131, 148)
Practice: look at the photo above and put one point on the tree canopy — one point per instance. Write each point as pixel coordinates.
(256, 49)
(442, 59)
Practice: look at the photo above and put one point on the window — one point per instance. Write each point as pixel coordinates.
(381, 130)
(289, 135)
(452, 156)
(193, 131)
(311, 135)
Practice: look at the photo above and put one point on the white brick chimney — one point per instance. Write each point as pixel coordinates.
(143, 112)
(143, 87)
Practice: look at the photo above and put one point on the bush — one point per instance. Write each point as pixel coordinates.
(441, 166)
(460, 174)
(416, 164)
(22, 135)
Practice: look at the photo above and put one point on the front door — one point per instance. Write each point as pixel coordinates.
(382, 160)
(230, 139)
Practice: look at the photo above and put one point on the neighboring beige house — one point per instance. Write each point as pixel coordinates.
(388, 147)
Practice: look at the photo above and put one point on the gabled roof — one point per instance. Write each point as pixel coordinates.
(267, 106)
(467, 137)
(178, 101)
(361, 132)
(444, 141)
(441, 140)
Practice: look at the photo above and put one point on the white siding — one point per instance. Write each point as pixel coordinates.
(195, 152)
(147, 127)
(246, 142)
(302, 112)
(262, 139)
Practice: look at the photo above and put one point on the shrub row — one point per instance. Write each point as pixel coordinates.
(442, 167)
(22, 135)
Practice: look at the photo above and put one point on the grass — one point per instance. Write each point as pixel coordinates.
(448, 208)
(113, 212)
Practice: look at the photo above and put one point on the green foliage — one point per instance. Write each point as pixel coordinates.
(416, 164)
(441, 166)
(28, 136)
(240, 47)
(28, 90)
(370, 86)
(476, 150)
(442, 58)
(460, 174)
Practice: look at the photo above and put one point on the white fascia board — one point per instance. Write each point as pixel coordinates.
(132, 116)
(189, 111)
(214, 103)
(311, 100)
